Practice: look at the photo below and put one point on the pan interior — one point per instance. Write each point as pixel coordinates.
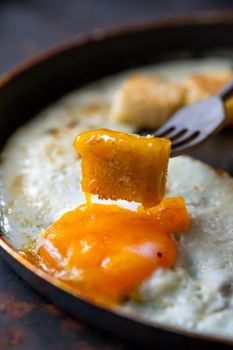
(40, 171)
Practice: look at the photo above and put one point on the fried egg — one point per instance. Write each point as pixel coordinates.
(40, 181)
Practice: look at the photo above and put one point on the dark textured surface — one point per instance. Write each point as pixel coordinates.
(29, 322)
(29, 26)
(26, 27)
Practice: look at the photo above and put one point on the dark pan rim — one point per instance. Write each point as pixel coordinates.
(193, 20)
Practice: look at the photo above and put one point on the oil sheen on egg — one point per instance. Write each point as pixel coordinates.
(40, 181)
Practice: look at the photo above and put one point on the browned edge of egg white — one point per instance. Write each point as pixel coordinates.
(98, 35)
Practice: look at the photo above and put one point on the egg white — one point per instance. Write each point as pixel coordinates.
(40, 180)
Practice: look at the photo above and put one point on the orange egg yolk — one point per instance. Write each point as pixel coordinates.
(106, 251)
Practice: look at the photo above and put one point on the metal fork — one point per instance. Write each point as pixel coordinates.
(191, 126)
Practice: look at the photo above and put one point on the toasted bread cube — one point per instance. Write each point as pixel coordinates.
(146, 102)
(122, 166)
(200, 86)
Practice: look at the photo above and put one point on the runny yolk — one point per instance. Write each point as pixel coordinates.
(106, 251)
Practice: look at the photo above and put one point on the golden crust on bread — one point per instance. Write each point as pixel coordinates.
(116, 165)
(147, 102)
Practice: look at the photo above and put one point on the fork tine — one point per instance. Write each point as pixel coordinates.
(177, 134)
(188, 137)
(192, 125)
(164, 130)
(183, 147)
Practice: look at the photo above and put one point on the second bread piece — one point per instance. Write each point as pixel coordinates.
(146, 102)
(122, 166)
(200, 86)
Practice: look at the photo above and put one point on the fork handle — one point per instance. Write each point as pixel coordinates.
(227, 91)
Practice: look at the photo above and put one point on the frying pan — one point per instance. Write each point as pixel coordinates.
(29, 88)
